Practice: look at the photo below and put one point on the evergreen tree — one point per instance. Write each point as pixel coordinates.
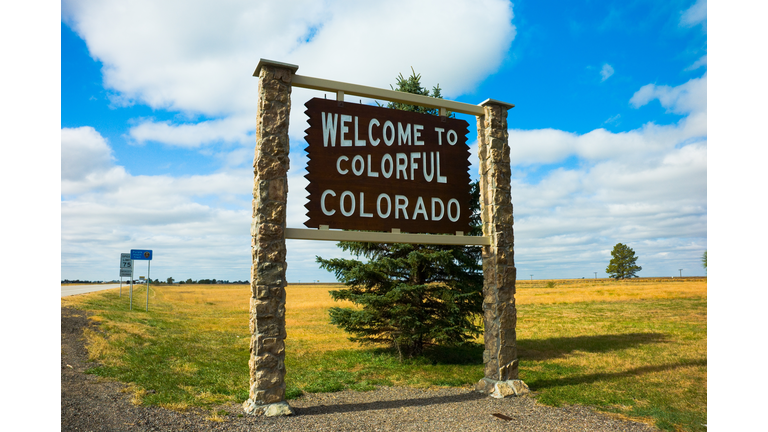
(410, 295)
(622, 264)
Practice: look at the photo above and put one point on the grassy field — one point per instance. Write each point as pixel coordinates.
(636, 348)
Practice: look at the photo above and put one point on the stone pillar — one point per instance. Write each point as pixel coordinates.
(499, 313)
(270, 192)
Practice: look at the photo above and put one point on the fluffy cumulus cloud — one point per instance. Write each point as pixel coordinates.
(86, 162)
(645, 187)
(198, 57)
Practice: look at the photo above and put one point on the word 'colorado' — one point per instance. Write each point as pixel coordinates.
(384, 206)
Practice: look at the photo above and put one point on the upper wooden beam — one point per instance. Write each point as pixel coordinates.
(377, 93)
(384, 94)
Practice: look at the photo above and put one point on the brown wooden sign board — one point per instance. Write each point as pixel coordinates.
(375, 169)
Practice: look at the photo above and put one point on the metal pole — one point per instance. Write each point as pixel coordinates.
(121, 286)
(130, 294)
(148, 263)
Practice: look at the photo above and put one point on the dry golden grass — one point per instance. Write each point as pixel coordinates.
(306, 319)
(594, 342)
(225, 307)
(601, 290)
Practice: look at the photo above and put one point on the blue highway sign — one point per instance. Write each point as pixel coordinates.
(138, 254)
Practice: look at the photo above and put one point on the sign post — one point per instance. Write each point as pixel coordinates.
(375, 169)
(140, 254)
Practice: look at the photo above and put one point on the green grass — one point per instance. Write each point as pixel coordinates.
(640, 359)
(643, 359)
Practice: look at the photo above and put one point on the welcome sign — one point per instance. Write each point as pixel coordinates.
(375, 169)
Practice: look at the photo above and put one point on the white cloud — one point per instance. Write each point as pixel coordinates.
(198, 57)
(687, 98)
(198, 226)
(696, 14)
(191, 135)
(606, 72)
(646, 187)
(702, 61)
(83, 152)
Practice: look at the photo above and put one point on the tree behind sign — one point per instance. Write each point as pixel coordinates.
(411, 295)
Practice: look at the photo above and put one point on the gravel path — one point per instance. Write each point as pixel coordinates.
(89, 404)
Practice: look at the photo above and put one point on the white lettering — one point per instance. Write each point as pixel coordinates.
(322, 202)
(414, 164)
(420, 209)
(387, 173)
(439, 135)
(458, 209)
(348, 204)
(442, 209)
(432, 170)
(362, 203)
(398, 206)
(417, 134)
(403, 135)
(378, 206)
(344, 129)
(371, 173)
(341, 203)
(402, 165)
(358, 158)
(358, 142)
(440, 179)
(329, 128)
(455, 137)
(388, 125)
(370, 132)
(338, 165)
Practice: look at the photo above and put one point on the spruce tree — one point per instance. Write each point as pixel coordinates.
(410, 296)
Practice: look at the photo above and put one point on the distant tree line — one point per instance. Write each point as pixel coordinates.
(78, 281)
(170, 280)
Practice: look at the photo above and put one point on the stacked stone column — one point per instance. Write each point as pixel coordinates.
(270, 191)
(499, 313)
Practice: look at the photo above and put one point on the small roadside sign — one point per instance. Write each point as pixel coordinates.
(126, 265)
(140, 254)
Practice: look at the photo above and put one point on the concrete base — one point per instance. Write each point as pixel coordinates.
(270, 410)
(501, 389)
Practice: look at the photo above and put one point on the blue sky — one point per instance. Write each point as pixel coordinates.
(608, 136)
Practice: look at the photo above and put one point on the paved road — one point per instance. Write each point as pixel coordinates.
(68, 290)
